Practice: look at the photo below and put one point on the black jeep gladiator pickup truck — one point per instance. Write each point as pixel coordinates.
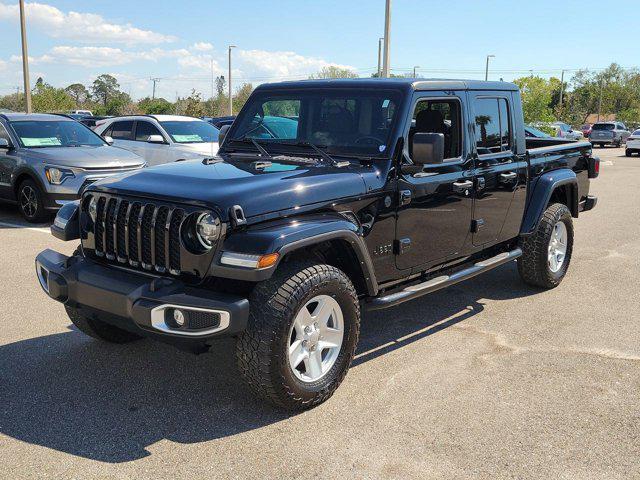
(326, 197)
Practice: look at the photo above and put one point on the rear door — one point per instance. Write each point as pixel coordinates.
(497, 173)
(435, 202)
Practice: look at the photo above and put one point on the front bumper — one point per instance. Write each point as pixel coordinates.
(137, 302)
(588, 203)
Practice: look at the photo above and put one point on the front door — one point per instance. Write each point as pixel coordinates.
(497, 173)
(435, 202)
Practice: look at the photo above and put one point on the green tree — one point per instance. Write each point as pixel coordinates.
(104, 89)
(241, 97)
(46, 98)
(332, 71)
(155, 106)
(193, 105)
(78, 92)
(537, 96)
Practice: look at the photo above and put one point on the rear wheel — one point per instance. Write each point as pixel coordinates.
(301, 337)
(546, 253)
(628, 152)
(31, 202)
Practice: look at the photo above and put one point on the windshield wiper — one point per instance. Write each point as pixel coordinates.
(263, 152)
(323, 154)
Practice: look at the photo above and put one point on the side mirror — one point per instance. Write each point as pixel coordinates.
(4, 143)
(223, 134)
(428, 148)
(108, 139)
(155, 139)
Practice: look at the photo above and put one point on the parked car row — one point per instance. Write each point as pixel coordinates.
(47, 160)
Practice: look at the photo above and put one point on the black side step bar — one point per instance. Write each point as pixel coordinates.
(415, 291)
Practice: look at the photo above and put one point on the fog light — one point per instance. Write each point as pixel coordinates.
(178, 317)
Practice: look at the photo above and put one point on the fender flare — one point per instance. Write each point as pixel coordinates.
(543, 189)
(287, 237)
(26, 171)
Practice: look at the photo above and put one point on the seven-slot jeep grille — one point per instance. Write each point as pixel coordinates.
(138, 233)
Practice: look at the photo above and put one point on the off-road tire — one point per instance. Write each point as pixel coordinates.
(261, 350)
(99, 329)
(39, 214)
(533, 265)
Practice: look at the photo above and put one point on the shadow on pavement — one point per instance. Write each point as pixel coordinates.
(10, 218)
(109, 403)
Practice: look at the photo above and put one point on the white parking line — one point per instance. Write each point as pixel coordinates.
(17, 225)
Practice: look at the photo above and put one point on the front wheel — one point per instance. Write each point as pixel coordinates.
(31, 202)
(627, 152)
(546, 253)
(301, 336)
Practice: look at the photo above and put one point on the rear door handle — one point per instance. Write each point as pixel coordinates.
(463, 185)
(508, 176)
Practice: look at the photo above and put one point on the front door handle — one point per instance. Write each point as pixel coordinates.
(508, 176)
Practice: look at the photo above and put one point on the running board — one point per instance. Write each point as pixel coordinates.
(437, 283)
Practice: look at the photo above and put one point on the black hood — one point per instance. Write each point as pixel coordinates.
(221, 184)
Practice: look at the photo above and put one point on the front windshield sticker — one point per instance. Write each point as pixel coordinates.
(41, 142)
(187, 138)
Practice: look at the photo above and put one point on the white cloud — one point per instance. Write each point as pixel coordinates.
(100, 56)
(261, 65)
(82, 27)
(202, 47)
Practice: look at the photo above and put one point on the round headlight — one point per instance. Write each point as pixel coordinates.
(93, 208)
(207, 229)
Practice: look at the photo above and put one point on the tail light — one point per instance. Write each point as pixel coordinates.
(594, 167)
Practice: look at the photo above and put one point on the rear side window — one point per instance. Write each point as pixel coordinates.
(493, 129)
(122, 130)
(144, 130)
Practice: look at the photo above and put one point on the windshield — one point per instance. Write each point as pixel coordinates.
(636, 133)
(603, 126)
(348, 122)
(196, 131)
(54, 133)
(534, 132)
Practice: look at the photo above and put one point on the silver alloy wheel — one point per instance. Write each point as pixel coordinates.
(315, 338)
(557, 247)
(28, 200)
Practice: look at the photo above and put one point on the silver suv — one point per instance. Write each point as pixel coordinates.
(609, 133)
(47, 160)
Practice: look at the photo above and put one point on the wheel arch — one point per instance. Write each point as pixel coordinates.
(25, 174)
(558, 186)
(333, 240)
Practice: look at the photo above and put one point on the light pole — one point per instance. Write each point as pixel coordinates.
(414, 70)
(486, 69)
(387, 40)
(380, 40)
(25, 59)
(230, 90)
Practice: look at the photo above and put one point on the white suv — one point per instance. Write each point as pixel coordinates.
(161, 138)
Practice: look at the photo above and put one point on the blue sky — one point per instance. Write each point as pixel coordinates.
(74, 41)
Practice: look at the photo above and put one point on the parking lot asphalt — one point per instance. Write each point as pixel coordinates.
(487, 379)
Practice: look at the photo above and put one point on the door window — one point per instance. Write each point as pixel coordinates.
(493, 130)
(122, 130)
(439, 116)
(144, 130)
